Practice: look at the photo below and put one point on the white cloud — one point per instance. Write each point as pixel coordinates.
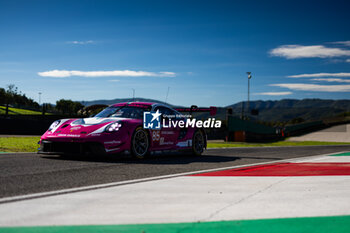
(300, 51)
(338, 80)
(318, 75)
(346, 43)
(275, 93)
(313, 87)
(347, 60)
(81, 42)
(114, 80)
(112, 73)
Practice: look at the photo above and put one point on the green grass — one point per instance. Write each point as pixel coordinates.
(280, 143)
(19, 144)
(333, 224)
(18, 111)
(30, 144)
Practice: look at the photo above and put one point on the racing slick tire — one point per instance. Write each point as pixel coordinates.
(140, 143)
(198, 143)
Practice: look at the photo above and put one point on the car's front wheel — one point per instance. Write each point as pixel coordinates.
(139, 143)
(198, 143)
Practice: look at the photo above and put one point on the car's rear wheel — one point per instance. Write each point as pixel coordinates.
(140, 143)
(198, 143)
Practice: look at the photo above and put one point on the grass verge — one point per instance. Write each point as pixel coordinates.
(18, 111)
(30, 144)
(280, 143)
(19, 144)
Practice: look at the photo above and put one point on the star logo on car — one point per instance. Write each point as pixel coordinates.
(156, 115)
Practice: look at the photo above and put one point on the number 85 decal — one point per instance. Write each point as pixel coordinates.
(156, 135)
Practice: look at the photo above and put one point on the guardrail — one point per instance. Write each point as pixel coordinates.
(28, 124)
(248, 131)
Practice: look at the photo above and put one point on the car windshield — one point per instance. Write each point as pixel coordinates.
(124, 111)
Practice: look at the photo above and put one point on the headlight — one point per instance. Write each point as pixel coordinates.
(54, 125)
(113, 127)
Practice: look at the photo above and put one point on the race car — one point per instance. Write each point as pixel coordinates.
(119, 128)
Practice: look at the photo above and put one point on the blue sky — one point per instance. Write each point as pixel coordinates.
(88, 50)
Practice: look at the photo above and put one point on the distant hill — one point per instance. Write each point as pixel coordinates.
(288, 109)
(114, 101)
(294, 103)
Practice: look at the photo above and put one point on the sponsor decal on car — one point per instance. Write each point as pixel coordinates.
(112, 142)
(75, 128)
(109, 150)
(69, 135)
(162, 142)
(167, 132)
(187, 143)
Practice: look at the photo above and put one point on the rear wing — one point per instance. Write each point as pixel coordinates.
(212, 110)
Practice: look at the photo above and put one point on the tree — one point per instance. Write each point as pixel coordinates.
(2, 96)
(10, 96)
(48, 107)
(68, 106)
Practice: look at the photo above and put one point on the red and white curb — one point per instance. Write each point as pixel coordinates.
(304, 187)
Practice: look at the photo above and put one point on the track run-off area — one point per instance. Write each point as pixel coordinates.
(265, 189)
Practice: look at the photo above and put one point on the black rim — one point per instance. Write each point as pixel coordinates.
(140, 143)
(198, 142)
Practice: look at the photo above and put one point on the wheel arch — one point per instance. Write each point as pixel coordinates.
(148, 135)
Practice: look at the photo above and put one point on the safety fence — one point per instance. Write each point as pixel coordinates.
(27, 124)
(248, 131)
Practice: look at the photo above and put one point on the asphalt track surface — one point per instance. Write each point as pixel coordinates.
(28, 173)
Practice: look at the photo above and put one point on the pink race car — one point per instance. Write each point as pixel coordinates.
(121, 128)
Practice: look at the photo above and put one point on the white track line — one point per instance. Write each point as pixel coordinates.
(11, 153)
(107, 185)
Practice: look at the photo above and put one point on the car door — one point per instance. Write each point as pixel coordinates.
(166, 137)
